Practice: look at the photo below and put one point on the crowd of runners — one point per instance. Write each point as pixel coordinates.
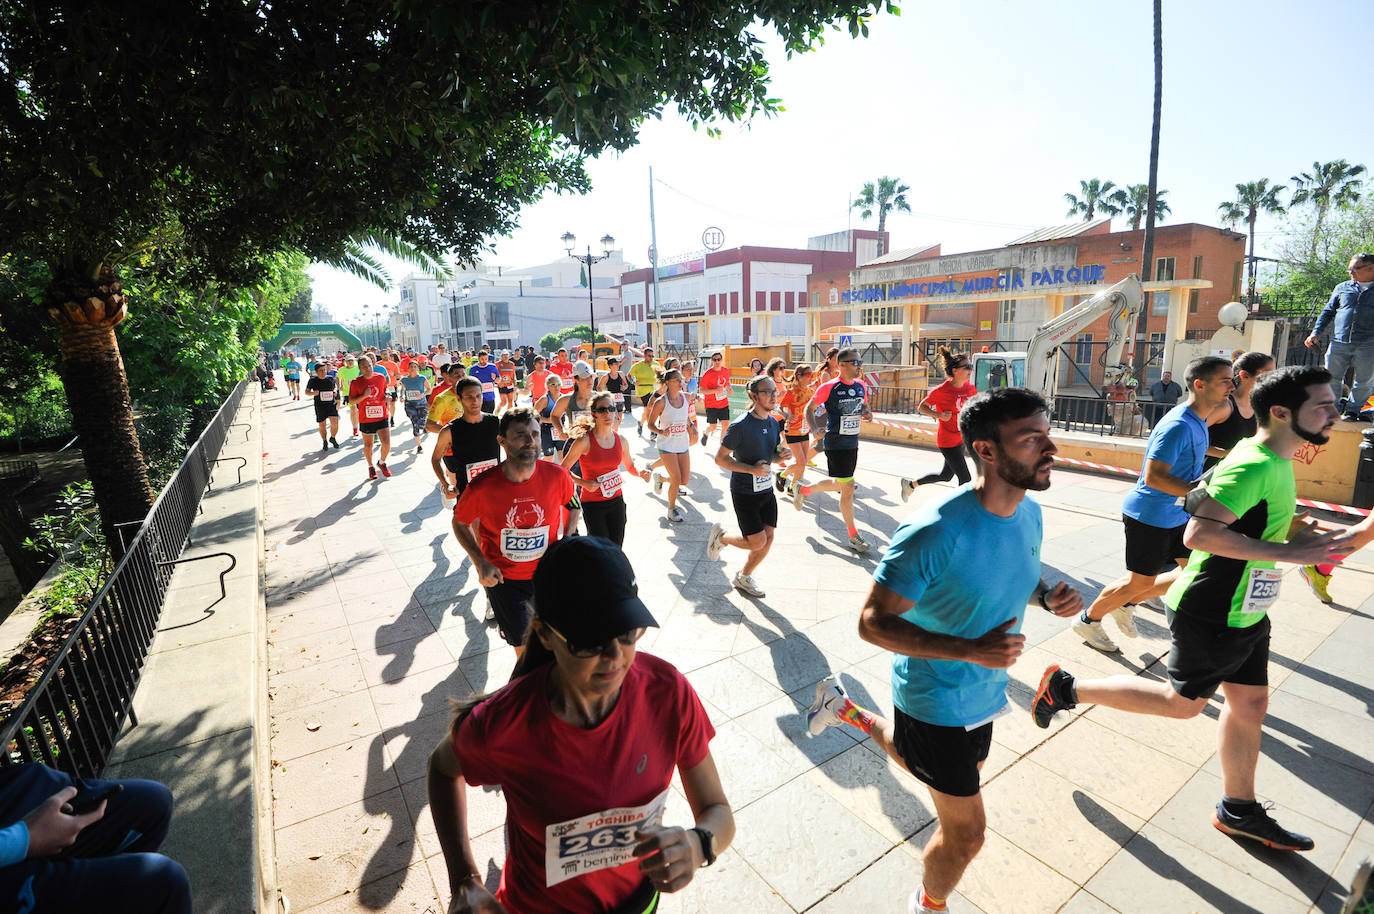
(533, 455)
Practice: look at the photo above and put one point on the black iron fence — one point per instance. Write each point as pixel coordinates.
(73, 714)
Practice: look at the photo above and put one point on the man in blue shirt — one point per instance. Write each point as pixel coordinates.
(488, 374)
(1352, 342)
(954, 628)
(1152, 512)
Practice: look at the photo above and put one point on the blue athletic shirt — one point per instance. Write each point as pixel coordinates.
(488, 374)
(1180, 440)
(939, 559)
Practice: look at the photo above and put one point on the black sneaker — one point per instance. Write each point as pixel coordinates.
(334, 441)
(1258, 825)
(324, 445)
(1051, 697)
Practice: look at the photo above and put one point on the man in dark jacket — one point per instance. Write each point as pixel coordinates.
(1352, 341)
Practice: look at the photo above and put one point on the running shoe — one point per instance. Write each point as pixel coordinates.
(1258, 825)
(1316, 582)
(824, 711)
(908, 486)
(1096, 636)
(419, 449)
(324, 445)
(355, 433)
(705, 439)
(385, 470)
(914, 906)
(745, 584)
(715, 542)
(798, 499)
(675, 515)
(859, 544)
(1051, 697)
(490, 615)
(1156, 604)
(1125, 620)
(371, 472)
(334, 441)
(658, 483)
(779, 481)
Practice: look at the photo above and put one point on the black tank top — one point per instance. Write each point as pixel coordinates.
(616, 383)
(1227, 434)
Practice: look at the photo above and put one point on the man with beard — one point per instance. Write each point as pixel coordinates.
(1218, 608)
(953, 628)
(522, 505)
(1152, 512)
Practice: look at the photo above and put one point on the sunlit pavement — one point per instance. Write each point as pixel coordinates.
(375, 622)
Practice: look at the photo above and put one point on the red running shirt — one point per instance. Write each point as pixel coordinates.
(539, 381)
(604, 464)
(370, 395)
(519, 519)
(553, 773)
(945, 397)
(563, 369)
(714, 377)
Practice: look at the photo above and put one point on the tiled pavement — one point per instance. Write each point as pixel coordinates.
(375, 622)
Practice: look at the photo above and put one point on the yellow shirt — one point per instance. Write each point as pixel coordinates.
(445, 408)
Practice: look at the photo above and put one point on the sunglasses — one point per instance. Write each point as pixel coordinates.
(852, 361)
(603, 409)
(586, 653)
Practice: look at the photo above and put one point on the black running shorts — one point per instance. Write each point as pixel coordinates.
(510, 604)
(1203, 655)
(372, 428)
(755, 511)
(716, 414)
(1153, 550)
(945, 758)
(841, 464)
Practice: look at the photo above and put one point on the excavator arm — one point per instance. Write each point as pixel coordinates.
(1121, 302)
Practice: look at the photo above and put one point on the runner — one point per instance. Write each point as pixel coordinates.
(368, 390)
(829, 370)
(416, 388)
(441, 357)
(600, 453)
(715, 391)
(796, 426)
(587, 731)
(551, 438)
(618, 384)
(575, 407)
(1152, 512)
(1218, 608)
(536, 379)
(292, 371)
(521, 505)
(667, 421)
(345, 377)
(1235, 419)
(953, 628)
(322, 389)
(748, 450)
(488, 374)
(644, 374)
(562, 367)
(505, 383)
(389, 365)
(845, 400)
(943, 404)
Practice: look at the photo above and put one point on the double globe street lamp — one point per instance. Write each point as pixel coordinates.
(608, 245)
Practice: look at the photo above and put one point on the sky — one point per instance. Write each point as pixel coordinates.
(990, 111)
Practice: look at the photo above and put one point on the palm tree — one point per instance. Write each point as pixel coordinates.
(1097, 195)
(1252, 198)
(882, 197)
(359, 258)
(1327, 184)
(1153, 197)
(1138, 202)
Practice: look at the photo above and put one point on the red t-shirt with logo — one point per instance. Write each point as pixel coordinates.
(557, 778)
(370, 395)
(519, 519)
(714, 377)
(507, 372)
(945, 397)
(563, 369)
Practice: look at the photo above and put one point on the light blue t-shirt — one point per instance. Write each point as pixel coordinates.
(293, 369)
(939, 558)
(1180, 440)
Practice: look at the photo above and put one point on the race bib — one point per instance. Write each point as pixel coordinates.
(599, 841)
(414, 394)
(762, 484)
(610, 483)
(1261, 590)
(556, 433)
(377, 411)
(326, 395)
(677, 429)
(524, 544)
(849, 425)
(474, 469)
(488, 387)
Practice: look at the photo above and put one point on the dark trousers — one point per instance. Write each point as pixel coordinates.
(954, 466)
(111, 867)
(605, 519)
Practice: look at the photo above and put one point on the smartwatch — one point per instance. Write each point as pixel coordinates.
(708, 842)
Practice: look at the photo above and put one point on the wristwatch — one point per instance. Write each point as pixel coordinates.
(708, 845)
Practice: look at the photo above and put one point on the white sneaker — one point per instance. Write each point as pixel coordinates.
(715, 542)
(1125, 621)
(908, 486)
(1156, 604)
(490, 615)
(823, 712)
(675, 516)
(1095, 635)
(798, 499)
(658, 482)
(859, 544)
(745, 584)
(914, 906)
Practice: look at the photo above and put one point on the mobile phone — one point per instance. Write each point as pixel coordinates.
(87, 802)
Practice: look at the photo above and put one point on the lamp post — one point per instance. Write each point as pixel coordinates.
(608, 245)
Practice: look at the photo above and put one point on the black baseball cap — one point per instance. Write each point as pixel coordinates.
(587, 616)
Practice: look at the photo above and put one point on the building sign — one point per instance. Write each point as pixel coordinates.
(693, 265)
(1021, 257)
(675, 306)
(712, 238)
(1006, 282)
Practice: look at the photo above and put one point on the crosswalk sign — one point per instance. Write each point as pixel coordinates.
(846, 340)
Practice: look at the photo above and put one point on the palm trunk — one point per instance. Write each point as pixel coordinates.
(1251, 298)
(1317, 229)
(882, 221)
(98, 396)
(1147, 252)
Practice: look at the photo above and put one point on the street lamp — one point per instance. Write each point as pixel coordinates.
(608, 245)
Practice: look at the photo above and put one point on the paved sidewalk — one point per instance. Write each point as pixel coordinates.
(375, 621)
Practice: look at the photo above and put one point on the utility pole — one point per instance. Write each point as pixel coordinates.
(653, 248)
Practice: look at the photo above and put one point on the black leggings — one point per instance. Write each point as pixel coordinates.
(606, 519)
(954, 466)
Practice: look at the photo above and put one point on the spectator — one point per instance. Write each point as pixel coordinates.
(1352, 341)
(1166, 390)
(57, 855)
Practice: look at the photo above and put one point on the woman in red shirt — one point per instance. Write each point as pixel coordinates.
(603, 453)
(584, 741)
(943, 404)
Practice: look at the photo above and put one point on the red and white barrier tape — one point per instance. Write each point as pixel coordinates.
(1122, 471)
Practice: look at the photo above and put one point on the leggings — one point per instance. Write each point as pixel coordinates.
(417, 412)
(606, 519)
(954, 466)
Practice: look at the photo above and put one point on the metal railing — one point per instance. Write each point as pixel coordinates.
(72, 716)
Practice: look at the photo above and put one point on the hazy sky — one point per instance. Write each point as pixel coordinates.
(990, 110)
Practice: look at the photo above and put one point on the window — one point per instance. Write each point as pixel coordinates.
(498, 315)
(1192, 301)
(1197, 267)
(1235, 282)
(815, 299)
(1006, 319)
(1159, 302)
(888, 314)
(1164, 269)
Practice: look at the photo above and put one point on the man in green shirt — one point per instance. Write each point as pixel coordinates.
(1218, 608)
(645, 375)
(346, 373)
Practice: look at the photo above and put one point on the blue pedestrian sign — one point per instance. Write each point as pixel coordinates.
(846, 340)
